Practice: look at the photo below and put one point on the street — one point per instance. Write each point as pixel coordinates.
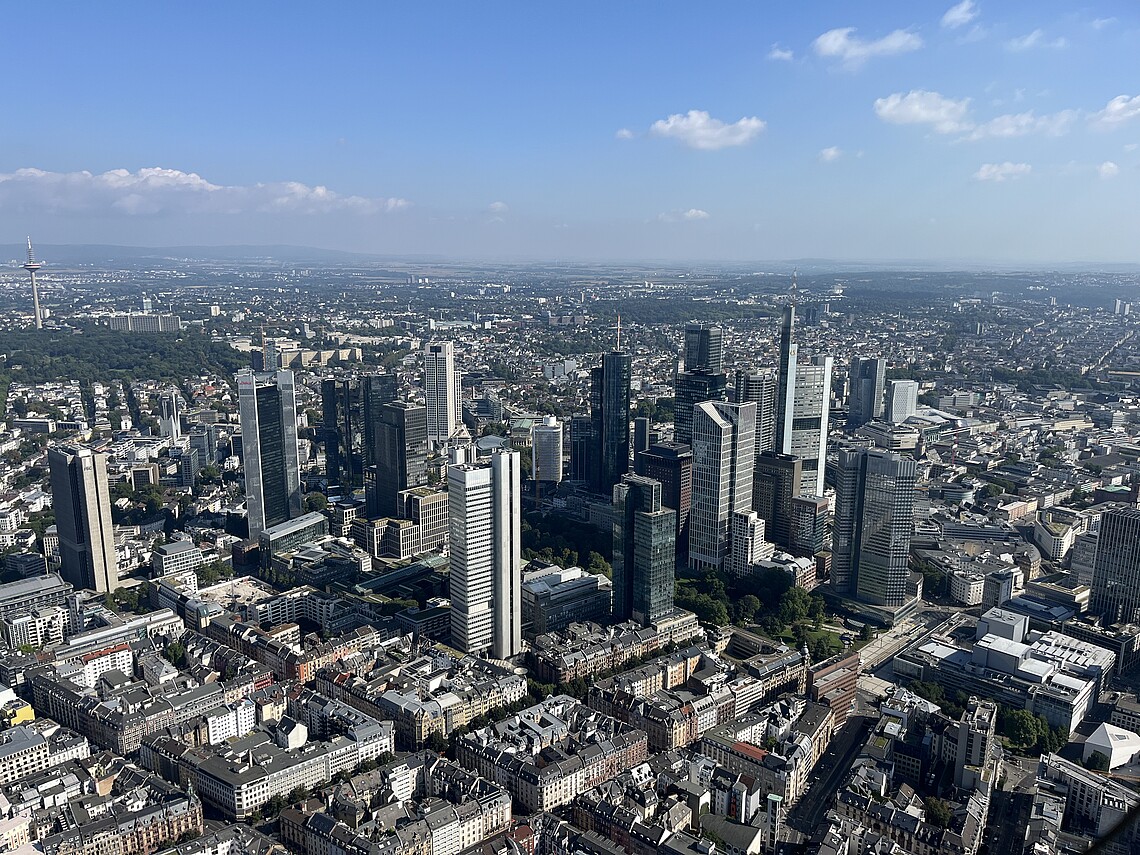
(828, 774)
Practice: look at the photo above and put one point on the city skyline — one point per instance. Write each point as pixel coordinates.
(997, 132)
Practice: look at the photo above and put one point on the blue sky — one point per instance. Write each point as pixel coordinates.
(738, 131)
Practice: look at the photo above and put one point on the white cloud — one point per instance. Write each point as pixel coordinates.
(497, 208)
(960, 14)
(1131, 146)
(781, 54)
(976, 34)
(624, 134)
(1002, 171)
(1101, 23)
(1120, 109)
(841, 44)
(920, 107)
(1107, 170)
(155, 190)
(832, 152)
(1033, 40)
(697, 129)
(691, 215)
(1020, 124)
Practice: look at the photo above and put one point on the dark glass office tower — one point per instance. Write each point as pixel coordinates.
(376, 390)
(401, 457)
(1116, 568)
(866, 383)
(775, 483)
(581, 447)
(671, 463)
(785, 393)
(691, 388)
(644, 551)
(874, 519)
(609, 416)
(704, 348)
(341, 430)
(267, 407)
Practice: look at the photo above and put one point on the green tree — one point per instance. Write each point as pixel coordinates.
(316, 502)
(1021, 727)
(599, 566)
(175, 652)
(937, 812)
(747, 607)
(1097, 762)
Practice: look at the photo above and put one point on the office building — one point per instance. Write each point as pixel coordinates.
(671, 464)
(170, 415)
(376, 390)
(546, 451)
(441, 391)
(775, 483)
(609, 416)
(724, 446)
(902, 400)
(691, 388)
(865, 391)
(485, 540)
(1116, 567)
(747, 544)
(803, 404)
(341, 431)
(874, 506)
(704, 348)
(581, 447)
(645, 537)
(762, 388)
(643, 437)
(401, 448)
(81, 499)
(809, 525)
(267, 407)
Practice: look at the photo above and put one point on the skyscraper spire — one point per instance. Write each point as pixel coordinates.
(795, 291)
(32, 266)
(618, 334)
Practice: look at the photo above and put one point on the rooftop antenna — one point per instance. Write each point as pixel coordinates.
(795, 291)
(618, 334)
(32, 266)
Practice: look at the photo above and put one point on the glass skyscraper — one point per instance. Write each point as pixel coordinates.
(645, 542)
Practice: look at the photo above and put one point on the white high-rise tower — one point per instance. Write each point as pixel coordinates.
(441, 391)
(484, 511)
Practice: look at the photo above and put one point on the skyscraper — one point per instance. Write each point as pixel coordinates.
(762, 388)
(609, 416)
(645, 559)
(809, 525)
(546, 451)
(704, 348)
(581, 447)
(267, 408)
(865, 396)
(341, 430)
(747, 543)
(1116, 567)
(401, 457)
(485, 542)
(874, 508)
(689, 389)
(376, 390)
(441, 391)
(902, 400)
(169, 415)
(671, 463)
(81, 500)
(724, 448)
(775, 483)
(702, 378)
(804, 401)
